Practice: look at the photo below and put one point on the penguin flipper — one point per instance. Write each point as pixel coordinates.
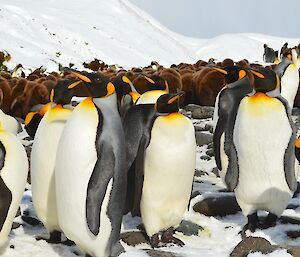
(103, 172)
(5, 201)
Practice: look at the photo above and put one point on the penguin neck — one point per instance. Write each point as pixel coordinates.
(108, 102)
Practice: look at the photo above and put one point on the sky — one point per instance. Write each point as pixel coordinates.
(209, 18)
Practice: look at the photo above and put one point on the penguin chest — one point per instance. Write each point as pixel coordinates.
(168, 172)
(261, 136)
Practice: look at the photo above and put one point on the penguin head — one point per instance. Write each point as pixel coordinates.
(168, 103)
(97, 83)
(232, 73)
(265, 80)
(63, 92)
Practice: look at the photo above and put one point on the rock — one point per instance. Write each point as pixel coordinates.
(292, 206)
(18, 212)
(156, 253)
(209, 128)
(210, 152)
(192, 107)
(31, 221)
(199, 128)
(203, 112)
(15, 225)
(210, 146)
(289, 220)
(189, 228)
(194, 194)
(253, 244)
(205, 157)
(294, 250)
(293, 234)
(199, 173)
(134, 238)
(296, 111)
(217, 206)
(203, 138)
(216, 172)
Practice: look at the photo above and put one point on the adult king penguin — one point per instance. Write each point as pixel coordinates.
(13, 176)
(43, 156)
(90, 171)
(226, 105)
(161, 148)
(259, 160)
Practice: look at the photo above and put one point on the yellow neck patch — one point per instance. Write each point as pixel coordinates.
(126, 80)
(135, 96)
(45, 108)
(88, 103)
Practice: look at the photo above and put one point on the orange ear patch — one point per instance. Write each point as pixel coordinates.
(110, 88)
(297, 144)
(242, 74)
(126, 80)
(29, 117)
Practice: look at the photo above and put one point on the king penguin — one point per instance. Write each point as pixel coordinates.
(13, 177)
(43, 156)
(161, 146)
(288, 72)
(90, 172)
(259, 161)
(226, 104)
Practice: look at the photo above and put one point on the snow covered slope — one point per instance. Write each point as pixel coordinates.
(48, 31)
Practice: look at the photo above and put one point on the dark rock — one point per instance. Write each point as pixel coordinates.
(12, 247)
(209, 128)
(31, 221)
(205, 158)
(289, 220)
(15, 225)
(210, 152)
(156, 253)
(134, 238)
(199, 128)
(189, 228)
(253, 244)
(210, 146)
(293, 234)
(18, 212)
(192, 107)
(203, 112)
(199, 173)
(296, 111)
(217, 206)
(194, 194)
(292, 206)
(216, 172)
(203, 138)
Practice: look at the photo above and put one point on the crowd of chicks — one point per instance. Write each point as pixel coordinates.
(124, 145)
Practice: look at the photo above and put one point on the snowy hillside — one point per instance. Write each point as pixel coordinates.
(48, 32)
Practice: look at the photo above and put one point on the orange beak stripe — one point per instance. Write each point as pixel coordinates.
(74, 84)
(173, 99)
(150, 80)
(258, 74)
(220, 70)
(82, 77)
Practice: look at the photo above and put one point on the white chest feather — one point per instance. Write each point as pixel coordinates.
(150, 97)
(261, 136)
(168, 170)
(289, 84)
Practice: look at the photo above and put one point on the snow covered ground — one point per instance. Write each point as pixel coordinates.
(47, 32)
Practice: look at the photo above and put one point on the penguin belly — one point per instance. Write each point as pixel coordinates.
(261, 135)
(168, 173)
(150, 97)
(216, 109)
(290, 83)
(76, 158)
(14, 175)
(43, 156)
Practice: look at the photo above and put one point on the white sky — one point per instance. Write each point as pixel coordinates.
(206, 18)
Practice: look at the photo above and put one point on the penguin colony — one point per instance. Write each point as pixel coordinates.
(125, 150)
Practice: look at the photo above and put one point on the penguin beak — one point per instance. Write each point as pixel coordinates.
(167, 87)
(74, 84)
(150, 80)
(256, 73)
(78, 75)
(52, 95)
(175, 97)
(220, 70)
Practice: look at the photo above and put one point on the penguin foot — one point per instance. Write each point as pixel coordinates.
(154, 240)
(252, 224)
(168, 237)
(269, 222)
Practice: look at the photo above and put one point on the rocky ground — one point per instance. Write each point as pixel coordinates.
(210, 227)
